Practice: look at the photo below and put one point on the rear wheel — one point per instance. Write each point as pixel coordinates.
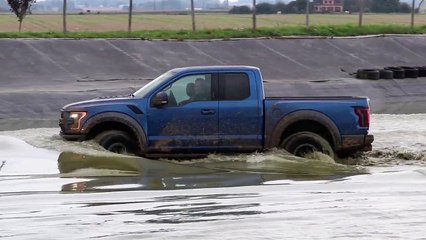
(116, 141)
(303, 143)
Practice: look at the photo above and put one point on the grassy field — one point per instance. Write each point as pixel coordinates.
(114, 25)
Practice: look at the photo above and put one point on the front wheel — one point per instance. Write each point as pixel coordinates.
(303, 143)
(116, 141)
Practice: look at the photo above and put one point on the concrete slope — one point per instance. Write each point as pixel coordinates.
(38, 76)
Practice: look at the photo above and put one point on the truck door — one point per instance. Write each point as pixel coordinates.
(188, 122)
(240, 126)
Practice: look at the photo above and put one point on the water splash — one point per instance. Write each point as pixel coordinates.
(400, 139)
(136, 173)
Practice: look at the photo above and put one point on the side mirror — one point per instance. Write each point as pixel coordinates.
(160, 99)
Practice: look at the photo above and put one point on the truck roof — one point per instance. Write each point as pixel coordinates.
(215, 68)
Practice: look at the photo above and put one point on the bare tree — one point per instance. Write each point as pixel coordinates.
(20, 8)
(413, 11)
(129, 27)
(307, 15)
(193, 15)
(254, 14)
(361, 12)
(64, 17)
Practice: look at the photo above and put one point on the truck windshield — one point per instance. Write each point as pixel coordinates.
(153, 84)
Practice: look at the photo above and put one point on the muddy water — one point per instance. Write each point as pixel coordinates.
(52, 189)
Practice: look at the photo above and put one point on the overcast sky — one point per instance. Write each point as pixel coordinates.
(410, 1)
(407, 1)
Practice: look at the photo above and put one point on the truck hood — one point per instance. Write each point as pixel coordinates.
(79, 106)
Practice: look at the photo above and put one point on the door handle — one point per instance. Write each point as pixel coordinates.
(208, 111)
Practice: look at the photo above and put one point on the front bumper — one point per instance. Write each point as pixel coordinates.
(72, 137)
(357, 143)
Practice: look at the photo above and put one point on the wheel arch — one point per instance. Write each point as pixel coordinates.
(115, 121)
(305, 120)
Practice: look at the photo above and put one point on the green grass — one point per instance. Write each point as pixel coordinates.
(316, 30)
(209, 25)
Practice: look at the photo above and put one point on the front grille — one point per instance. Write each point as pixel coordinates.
(62, 121)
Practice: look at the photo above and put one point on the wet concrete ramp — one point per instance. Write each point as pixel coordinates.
(45, 74)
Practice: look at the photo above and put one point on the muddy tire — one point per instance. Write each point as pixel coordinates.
(116, 141)
(398, 73)
(411, 72)
(303, 143)
(386, 74)
(370, 74)
(422, 71)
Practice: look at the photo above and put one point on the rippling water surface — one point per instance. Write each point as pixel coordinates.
(51, 189)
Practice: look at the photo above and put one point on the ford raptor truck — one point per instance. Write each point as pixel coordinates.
(193, 111)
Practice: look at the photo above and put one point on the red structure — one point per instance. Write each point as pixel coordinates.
(328, 6)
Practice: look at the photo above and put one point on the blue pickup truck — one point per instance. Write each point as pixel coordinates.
(191, 112)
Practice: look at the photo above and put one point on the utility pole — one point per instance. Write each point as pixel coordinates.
(413, 11)
(129, 29)
(307, 15)
(193, 16)
(254, 15)
(361, 12)
(64, 17)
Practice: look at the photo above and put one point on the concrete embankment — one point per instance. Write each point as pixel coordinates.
(37, 77)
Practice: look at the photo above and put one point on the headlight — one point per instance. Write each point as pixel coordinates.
(75, 119)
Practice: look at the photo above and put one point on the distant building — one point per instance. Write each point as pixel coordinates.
(328, 6)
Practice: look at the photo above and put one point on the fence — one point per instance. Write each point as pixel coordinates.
(194, 19)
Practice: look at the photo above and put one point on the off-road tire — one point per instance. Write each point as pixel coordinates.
(117, 141)
(302, 143)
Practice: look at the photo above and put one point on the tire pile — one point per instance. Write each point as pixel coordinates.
(391, 73)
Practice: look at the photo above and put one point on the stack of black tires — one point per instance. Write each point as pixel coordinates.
(391, 73)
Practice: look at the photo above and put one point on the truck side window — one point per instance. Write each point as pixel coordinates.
(189, 89)
(234, 86)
